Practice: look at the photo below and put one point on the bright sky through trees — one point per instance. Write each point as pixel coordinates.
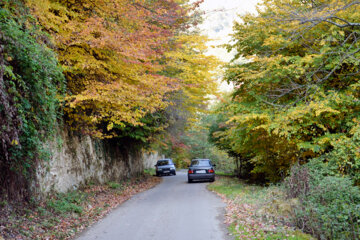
(219, 19)
(218, 24)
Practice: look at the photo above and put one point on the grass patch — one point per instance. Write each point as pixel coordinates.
(227, 174)
(233, 188)
(255, 212)
(114, 185)
(150, 171)
(70, 202)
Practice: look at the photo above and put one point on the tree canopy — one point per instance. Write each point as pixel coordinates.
(296, 77)
(114, 54)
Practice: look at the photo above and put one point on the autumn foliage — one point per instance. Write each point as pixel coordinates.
(112, 53)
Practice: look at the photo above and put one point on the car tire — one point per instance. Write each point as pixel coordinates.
(212, 179)
(190, 180)
(174, 173)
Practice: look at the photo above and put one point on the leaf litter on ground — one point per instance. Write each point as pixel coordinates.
(62, 216)
(255, 212)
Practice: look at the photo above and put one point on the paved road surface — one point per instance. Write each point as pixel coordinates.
(173, 210)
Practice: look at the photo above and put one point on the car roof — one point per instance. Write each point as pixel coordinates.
(165, 159)
(201, 159)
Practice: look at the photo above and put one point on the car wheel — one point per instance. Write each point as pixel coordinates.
(190, 180)
(174, 173)
(212, 180)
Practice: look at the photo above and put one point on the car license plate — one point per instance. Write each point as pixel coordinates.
(166, 171)
(200, 171)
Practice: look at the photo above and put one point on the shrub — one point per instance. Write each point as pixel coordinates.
(345, 155)
(329, 204)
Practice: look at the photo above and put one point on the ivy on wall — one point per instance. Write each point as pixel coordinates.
(31, 84)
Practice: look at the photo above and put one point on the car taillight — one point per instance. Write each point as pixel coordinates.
(211, 170)
(190, 171)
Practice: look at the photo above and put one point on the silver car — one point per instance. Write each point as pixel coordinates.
(165, 167)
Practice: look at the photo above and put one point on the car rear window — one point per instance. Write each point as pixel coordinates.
(201, 163)
(162, 163)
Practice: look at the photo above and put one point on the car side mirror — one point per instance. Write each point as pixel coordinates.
(155, 165)
(214, 165)
(188, 165)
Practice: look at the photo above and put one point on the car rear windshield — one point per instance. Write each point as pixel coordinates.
(201, 163)
(162, 163)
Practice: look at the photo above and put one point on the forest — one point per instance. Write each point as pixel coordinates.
(137, 72)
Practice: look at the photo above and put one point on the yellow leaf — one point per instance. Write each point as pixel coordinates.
(110, 126)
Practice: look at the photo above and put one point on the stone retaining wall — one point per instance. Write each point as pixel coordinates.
(77, 160)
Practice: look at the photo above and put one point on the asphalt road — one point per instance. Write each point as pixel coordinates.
(173, 210)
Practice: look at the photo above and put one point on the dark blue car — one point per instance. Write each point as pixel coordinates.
(201, 169)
